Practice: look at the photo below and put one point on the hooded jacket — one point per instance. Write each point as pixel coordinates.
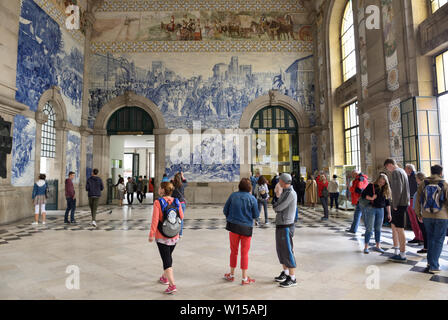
(94, 187)
(358, 185)
(40, 188)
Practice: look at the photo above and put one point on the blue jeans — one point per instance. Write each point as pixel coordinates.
(183, 211)
(436, 233)
(71, 207)
(263, 203)
(373, 219)
(356, 219)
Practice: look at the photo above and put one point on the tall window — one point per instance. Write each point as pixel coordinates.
(351, 132)
(348, 43)
(442, 91)
(48, 146)
(436, 4)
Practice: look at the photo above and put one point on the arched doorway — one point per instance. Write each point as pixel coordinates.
(276, 131)
(133, 116)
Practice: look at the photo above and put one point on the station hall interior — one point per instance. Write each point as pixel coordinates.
(220, 91)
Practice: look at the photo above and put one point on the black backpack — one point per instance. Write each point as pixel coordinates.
(171, 224)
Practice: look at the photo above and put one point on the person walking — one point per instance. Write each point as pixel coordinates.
(333, 189)
(285, 209)
(70, 197)
(360, 181)
(322, 188)
(179, 192)
(379, 195)
(145, 186)
(94, 186)
(165, 245)
(311, 191)
(262, 196)
(420, 178)
(39, 196)
(254, 179)
(301, 191)
(400, 201)
(241, 209)
(140, 189)
(431, 206)
(130, 188)
(418, 236)
(121, 191)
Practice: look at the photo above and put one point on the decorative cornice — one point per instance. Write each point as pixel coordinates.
(11, 107)
(189, 5)
(346, 92)
(433, 32)
(201, 46)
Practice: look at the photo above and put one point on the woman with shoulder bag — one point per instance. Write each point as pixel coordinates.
(240, 210)
(379, 195)
(262, 195)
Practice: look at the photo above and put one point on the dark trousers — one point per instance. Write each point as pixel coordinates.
(334, 197)
(71, 207)
(301, 198)
(324, 201)
(166, 253)
(140, 196)
(130, 197)
(425, 236)
(93, 204)
(145, 191)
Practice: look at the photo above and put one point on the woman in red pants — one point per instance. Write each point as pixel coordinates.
(240, 210)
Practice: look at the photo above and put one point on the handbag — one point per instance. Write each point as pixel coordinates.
(363, 202)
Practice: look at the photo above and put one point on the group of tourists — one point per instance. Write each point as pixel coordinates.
(141, 187)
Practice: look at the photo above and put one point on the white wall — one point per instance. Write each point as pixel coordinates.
(443, 106)
(116, 153)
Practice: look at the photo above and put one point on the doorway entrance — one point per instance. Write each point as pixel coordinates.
(282, 143)
(132, 155)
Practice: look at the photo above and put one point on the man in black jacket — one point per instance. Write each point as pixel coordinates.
(94, 186)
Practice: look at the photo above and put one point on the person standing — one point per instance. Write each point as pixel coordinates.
(262, 196)
(285, 209)
(140, 189)
(70, 197)
(379, 195)
(165, 245)
(420, 177)
(431, 206)
(311, 192)
(274, 183)
(333, 189)
(179, 192)
(360, 181)
(94, 186)
(322, 188)
(241, 209)
(121, 191)
(418, 236)
(400, 202)
(39, 196)
(254, 179)
(130, 188)
(145, 186)
(301, 191)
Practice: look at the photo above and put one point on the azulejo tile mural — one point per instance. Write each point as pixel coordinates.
(201, 25)
(211, 88)
(73, 154)
(89, 156)
(48, 56)
(179, 5)
(23, 151)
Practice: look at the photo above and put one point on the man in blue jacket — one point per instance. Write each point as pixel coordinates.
(94, 187)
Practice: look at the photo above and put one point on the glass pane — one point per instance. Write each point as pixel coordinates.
(435, 147)
(407, 106)
(406, 149)
(422, 122)
(411, 124)
(433, 122)
(404, 120)
(412, 149)
(426, 168)
(424, 148)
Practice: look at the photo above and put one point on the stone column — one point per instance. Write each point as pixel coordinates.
(81, 195)
(62, 128)
(160, 136)
(101, 158)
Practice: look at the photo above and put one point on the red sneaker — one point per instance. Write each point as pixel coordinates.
(163, 280)
(229, 277)
(171, 289)
(248, 281)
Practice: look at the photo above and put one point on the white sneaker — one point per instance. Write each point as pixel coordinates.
(35, 223)
(94, 223)
(43, 222)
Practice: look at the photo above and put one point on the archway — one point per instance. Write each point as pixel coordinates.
(113, 122)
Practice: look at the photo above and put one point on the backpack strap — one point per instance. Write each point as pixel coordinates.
(163, 203)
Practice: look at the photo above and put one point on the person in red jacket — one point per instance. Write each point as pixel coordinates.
(360, 182)
(322, 191)
(166, 245)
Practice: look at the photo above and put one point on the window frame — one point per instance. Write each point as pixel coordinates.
(48, 137)
(349, 130)
(342, 35)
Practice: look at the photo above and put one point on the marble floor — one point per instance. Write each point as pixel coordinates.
(116, 261)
